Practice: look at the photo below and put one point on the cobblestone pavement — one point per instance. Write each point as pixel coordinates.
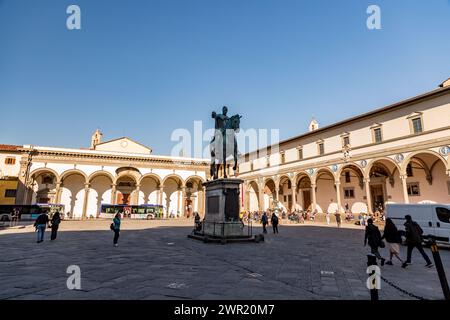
(156, 260)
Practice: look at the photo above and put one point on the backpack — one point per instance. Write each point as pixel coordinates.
(418, 228)
(112, 226)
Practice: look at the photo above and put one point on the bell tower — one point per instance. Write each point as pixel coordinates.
(96, 139)
(313, 125)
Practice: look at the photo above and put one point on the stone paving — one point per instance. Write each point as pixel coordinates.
(156, 260)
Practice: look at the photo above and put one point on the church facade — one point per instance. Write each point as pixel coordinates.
(399, 154)
(119, 171)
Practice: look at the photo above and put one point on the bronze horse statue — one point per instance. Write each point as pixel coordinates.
(223, 145)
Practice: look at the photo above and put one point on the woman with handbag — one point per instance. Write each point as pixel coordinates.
(373, 238)
(393, 239)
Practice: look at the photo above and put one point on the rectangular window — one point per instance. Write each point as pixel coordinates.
(10, 193)
(347, 177)
(285, 198)
(417, 125)
(282, 158)
(349, 193)
(300, 153)
(409, 170)
(345, 141)
(377, 135)
(448, 187)
(413, 189)
(321, 148)
(251, 166)
(10, 161)
(289, 185)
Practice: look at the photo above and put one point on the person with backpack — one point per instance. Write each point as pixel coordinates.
(414, 240)
(56, 220)
(394, 239)
(115, 226)
(373, 238)
(40, 224)
(274, 221)
(264, 221)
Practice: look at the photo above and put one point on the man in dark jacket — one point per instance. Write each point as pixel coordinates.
(264, 221)
(373, 237)
(40, 224)
(274, 221)
(414, 240)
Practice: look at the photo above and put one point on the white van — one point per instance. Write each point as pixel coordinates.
(434, 218)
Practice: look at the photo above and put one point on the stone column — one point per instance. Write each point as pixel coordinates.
(313, 197)
(337, 184)
(277, 191)
(113, 193)
(261, 199)
(294, 196)
(183, 202)
(368, 196)
(247, 200)
(85, 200)
(201, 201)
(58, 193)
(136, 196)
(403, 177)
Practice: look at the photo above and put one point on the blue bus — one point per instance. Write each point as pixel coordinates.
(143, 211)
(29, 211)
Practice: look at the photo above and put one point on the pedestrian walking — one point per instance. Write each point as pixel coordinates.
(414, 240)
(115, 226)
(40, 224)
(264, 221)
(328, 218)
(393, 239)
(373, 238)
(55, 221)
(274, 221)
(338, 218)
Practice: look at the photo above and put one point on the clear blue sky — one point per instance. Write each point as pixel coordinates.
(145, 68)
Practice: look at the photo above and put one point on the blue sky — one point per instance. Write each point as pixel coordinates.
(145, 68)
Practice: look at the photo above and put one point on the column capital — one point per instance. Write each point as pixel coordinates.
(366, 180)
(403, 176)
(138, 186)
(336, 183)
(313, 184)
(87, 185)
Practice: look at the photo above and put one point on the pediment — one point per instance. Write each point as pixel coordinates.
(123, 144)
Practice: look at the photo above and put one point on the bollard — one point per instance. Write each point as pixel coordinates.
(440, 268)
(372, 261)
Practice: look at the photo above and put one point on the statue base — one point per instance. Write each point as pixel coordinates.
(222, 222)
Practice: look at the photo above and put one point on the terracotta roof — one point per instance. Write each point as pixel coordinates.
(9, 147)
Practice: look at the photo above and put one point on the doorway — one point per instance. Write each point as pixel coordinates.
(377, 194)
(306, 199)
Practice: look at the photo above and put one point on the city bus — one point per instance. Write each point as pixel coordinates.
(143, 211)
(31, 211)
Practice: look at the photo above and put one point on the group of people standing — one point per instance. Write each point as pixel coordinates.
(393, 237)
(43, 221)
(274, 220)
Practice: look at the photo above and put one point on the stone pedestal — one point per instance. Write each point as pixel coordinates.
(222, 209)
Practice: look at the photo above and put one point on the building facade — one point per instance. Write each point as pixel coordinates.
(399, 153)
(119, 171)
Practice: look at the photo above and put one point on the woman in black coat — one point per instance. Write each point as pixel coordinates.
(56, 220)
(393, 239)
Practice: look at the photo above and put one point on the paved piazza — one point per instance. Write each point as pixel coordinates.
(155, 260)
